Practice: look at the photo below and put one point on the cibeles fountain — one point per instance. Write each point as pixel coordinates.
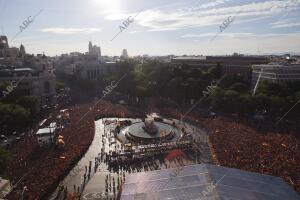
(149, 126)
(149, 130)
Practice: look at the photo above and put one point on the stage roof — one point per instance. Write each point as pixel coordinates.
(205, 182)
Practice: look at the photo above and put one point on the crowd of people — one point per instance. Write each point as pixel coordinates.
(261, 147)
(36, 171)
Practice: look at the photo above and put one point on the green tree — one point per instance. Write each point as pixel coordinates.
(31, 103)
(239, 87)
(231, 100)
(216, 71)
(13, 117)
(229, 80)
(5, 159)
(246, 104)
(272, 89)
(216, 99)
(59, 86)
(262, 102)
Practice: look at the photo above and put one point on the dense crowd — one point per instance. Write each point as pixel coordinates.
(273, 153)
(36, 171)
(261, 147)
(150, 160)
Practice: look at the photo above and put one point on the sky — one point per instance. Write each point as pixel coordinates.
(157, 27)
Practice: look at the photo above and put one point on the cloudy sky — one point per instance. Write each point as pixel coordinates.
(161, 27)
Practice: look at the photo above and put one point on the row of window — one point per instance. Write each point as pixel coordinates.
(94, 74)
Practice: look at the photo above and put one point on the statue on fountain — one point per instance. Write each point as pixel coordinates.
(150, 127)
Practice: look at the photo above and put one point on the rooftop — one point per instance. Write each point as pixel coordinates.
(205, 181)
(47, 130)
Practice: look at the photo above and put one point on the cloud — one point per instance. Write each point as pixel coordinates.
(242, 35)
(57, 30)
(285, 23)
(117, 15)
(207, 5)
(133, 32)
(208, 14)
(233, 35)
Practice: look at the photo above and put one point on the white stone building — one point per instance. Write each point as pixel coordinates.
(276, 73)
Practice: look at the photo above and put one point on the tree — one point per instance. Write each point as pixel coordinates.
(277, 104)
(239, 87)
(59, 86)
(217, 98)
(31, 103)
(4, 161)
(246, 104)
(272, 89)
(13, 117)
(229, 80)
(231, 100)
(262, 102)
(297, 95)
(216, 71)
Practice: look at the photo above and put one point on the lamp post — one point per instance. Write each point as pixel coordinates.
(24, 188)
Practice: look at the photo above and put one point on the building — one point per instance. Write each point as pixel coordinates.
(31, 82)
(209, 61)
(94, 50)
(10, 54)
(34, 74)
(22, 51)
(244, 71)
(3, 42)
(86, 66)
(93, 70)
(203, 182)
(236, 64)
(124, 54)
(276, 73)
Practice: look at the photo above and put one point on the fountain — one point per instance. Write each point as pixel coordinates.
(149, 131)
(150, 127)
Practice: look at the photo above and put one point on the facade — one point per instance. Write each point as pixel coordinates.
(240, 65)
(276, 73)
(244, 71)
(9, 54)
(3, 42)
(31, 82)
(209, 61)
(87, 66)
(22, 51)
(34, 74)
(124, 54)
(94, 50)
(95, 70)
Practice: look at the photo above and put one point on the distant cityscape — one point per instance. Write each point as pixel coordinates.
(89, 126)
(15, 63)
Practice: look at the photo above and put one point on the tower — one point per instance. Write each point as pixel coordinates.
(124, 54)
(22, 51)
(3, 42)
(90, 47)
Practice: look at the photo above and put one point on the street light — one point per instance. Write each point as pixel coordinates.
(24, 188)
